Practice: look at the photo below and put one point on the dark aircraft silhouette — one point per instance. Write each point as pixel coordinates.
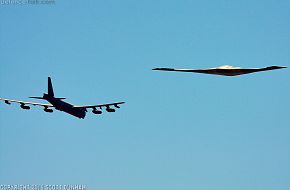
(59, 104)
(226, 70)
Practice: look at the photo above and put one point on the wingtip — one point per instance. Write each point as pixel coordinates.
(163, 69)
(280, 67)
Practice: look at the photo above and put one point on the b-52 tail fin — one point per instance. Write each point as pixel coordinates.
(50, 88)
(50, 93)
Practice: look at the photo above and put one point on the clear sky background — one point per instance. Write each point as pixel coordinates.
(176, 130)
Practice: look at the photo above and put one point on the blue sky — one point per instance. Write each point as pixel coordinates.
(176, 130)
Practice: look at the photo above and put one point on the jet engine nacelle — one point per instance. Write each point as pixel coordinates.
(23, 106)
(48, 110)
(97, 111)
(110, 110)
(7, 102)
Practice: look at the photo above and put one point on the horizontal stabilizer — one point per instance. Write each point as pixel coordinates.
(37, 97)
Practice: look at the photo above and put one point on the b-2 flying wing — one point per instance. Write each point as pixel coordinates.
(225, 70)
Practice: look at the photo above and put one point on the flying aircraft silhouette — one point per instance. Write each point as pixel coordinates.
(59, 104)
(225, 70)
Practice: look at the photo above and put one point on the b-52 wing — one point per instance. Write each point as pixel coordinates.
(101, 105)
(22, 103)
(107, 106)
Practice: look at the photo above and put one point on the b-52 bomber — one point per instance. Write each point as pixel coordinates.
(59, 104)
(225, 70)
